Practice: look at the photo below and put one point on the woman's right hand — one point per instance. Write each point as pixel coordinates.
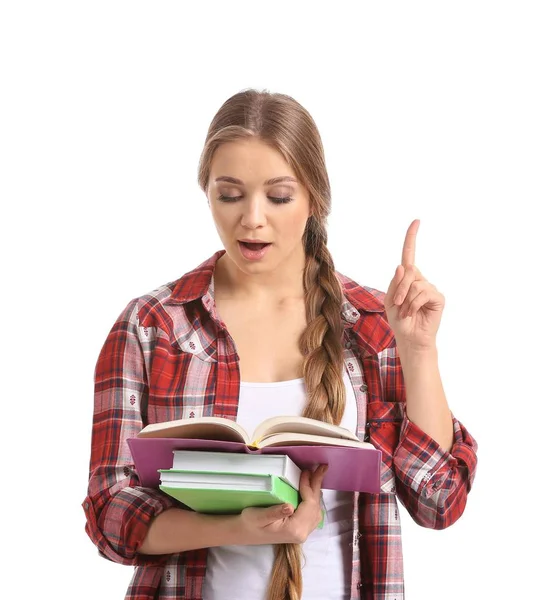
(280, 524)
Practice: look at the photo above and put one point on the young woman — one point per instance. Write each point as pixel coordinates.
(267, 327)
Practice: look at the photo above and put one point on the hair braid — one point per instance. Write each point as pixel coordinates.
(321, 345)
(321, 342)
(287, 578)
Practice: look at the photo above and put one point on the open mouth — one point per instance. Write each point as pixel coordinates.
(254, 250)
(254, 246)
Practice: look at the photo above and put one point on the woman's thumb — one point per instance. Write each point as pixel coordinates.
(275, 513)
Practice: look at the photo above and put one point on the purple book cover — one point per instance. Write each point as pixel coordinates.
(350, 469)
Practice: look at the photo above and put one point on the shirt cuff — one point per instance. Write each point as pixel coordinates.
(423, 465)
(123, 523)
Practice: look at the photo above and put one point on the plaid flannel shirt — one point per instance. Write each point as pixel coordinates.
(169, 356)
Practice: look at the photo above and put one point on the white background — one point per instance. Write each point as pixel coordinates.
(427, 110)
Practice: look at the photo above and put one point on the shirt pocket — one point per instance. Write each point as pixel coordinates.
(384, 424)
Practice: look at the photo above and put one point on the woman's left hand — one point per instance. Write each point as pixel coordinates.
(413, 305)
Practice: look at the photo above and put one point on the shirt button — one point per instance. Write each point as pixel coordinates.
(348, 344)
(86, 505)
(366, 438)
(363, 387)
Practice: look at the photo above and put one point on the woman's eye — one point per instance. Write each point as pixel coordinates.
(278, 200)
(274, 199)
(223, 198)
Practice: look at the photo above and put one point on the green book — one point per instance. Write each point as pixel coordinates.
(226, 493)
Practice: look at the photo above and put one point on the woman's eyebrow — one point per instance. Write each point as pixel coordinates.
(268, 182)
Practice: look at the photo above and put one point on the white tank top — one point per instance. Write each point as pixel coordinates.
(243, 572)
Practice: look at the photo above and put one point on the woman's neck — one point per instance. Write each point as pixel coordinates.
(283, 282)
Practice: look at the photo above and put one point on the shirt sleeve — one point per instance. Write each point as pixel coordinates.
(118, 510)
(432, 483)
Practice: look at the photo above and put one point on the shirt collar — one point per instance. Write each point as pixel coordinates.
(196, 283)
(358, 302)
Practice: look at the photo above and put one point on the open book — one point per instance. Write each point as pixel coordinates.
(275, 431)
(354, 465)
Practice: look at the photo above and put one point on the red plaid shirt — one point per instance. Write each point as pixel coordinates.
(168, 356)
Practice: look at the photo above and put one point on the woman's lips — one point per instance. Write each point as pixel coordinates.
(254, 250)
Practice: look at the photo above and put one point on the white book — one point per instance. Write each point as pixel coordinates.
(204, 480)
(249, 464)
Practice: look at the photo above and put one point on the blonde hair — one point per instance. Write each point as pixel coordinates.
(281, 122)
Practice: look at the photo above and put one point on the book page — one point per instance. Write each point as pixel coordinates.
(305, 439)
(297, 424)
(203, 428)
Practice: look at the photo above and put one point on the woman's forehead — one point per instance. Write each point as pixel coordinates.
(249, 160)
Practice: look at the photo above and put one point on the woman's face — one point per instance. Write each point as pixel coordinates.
(254, 195)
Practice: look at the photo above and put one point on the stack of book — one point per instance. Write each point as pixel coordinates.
(226, 483)
(212, 464)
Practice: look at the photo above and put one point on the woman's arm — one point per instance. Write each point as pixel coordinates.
(179, 530)
(118, 510)
(426, 403)
(431, 480)
(435, 461)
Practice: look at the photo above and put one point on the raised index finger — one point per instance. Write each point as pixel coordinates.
(408, 252)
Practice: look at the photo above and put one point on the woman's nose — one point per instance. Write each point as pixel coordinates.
(254, 213)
